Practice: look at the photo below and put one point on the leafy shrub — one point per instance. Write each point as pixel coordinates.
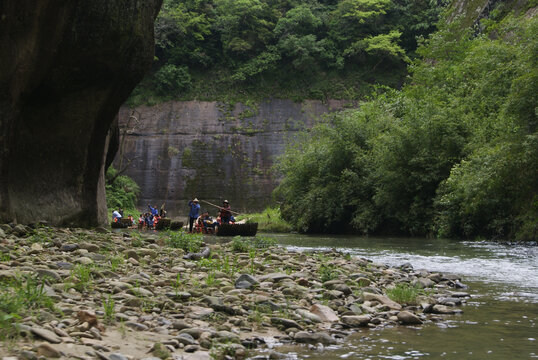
(172, 79)
(121, 191)
(327, 272)
(268, 220)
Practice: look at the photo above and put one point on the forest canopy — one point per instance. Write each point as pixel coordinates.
(454, 153)
(316, 49)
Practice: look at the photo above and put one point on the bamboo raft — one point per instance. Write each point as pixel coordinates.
(249, 229)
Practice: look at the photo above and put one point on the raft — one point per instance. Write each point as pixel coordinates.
(163, 224)
(249, 229)
(123, 223)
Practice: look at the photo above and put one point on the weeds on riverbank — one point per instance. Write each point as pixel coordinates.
(268, 221)
(404, 293)
(18, 298)
(245, 244)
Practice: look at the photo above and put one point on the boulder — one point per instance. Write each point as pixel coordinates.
(325, 313)
(408, 318)
(383, 300)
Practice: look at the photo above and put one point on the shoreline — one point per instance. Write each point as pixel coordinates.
(126, 296)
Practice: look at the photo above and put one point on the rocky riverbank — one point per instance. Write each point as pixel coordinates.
(100, 295)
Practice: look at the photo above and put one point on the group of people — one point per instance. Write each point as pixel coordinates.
(206, 223)
(201, 220)
(147, 220)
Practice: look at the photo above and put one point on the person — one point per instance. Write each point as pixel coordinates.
(225, 212)
(116, 216)
(206, 222)
(153, 210)
(194, 212)
(162, 213)
(120, 210)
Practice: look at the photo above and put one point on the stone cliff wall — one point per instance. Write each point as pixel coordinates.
(65, 69)
(212, 150)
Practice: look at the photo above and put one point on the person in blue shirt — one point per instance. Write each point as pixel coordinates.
(153, 210)
(193, 213)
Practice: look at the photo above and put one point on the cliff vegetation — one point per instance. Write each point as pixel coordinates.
(454, 153)
(253, 49)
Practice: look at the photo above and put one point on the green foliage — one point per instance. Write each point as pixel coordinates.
(189, 242)
(404, 293)
(327, 272)
(268, 221)
(18, 298)
(454, 153)
(206, 49)
(121, 191)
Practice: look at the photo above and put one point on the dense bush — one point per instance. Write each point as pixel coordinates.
(454, 153)
(121, 191)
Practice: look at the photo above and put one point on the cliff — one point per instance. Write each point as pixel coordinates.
(65, 69)
(211, 150)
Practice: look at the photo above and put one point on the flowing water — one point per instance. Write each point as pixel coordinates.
(499, 320)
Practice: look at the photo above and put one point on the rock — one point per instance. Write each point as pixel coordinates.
(117, 356)
(408, 318)
(180, 325)
(304, 337)
(325, 313)
(227, 336)
(356, 320)
(425, 283)
(459, 294)
(442, 309)
(383, 300)
(36, 248)
(245, 281)
(274, 277)
(28, 355)
(305, 314)
(84, 260)
(46, 273)
(198, 355)
(285, 323)
(20, 230)
(2, 234)
(48, 351)
(186, 339)
(131, 254)
(136, 326)
(69, 247)
(178, 296)
(46, 334)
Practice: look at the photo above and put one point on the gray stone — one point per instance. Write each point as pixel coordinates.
(49, 273)
(356, 320)
(275, 277)
(180, 325)
(20, 230)
(28, 355)
(117, 356)
(408, 318)
(245, 281)
(383, 300)
(46, 334)
(325, 313)
(442, 309)
(186, 339)
(69, 247)
(305, 314)
(285, 323)
(48, 351)
(314, 338)
(136, 326)
(178, 296)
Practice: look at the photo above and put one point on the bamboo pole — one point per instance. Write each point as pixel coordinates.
(220, 207)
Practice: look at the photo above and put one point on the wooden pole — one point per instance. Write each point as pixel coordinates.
(220, 207)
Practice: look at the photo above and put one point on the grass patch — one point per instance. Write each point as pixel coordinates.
(404, 293)
(19, 297)
(246, 244)
(268, 221)
(183, 240)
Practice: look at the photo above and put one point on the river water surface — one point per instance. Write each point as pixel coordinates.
(499, 320)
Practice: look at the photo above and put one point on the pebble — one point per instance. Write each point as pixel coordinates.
(46, 335)
(48, 351)
(408, 318)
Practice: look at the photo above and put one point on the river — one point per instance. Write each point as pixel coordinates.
(499, 320)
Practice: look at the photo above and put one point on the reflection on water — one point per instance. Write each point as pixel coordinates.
(499, 321)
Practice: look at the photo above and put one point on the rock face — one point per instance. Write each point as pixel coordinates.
(211, 150)
(65, 69)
